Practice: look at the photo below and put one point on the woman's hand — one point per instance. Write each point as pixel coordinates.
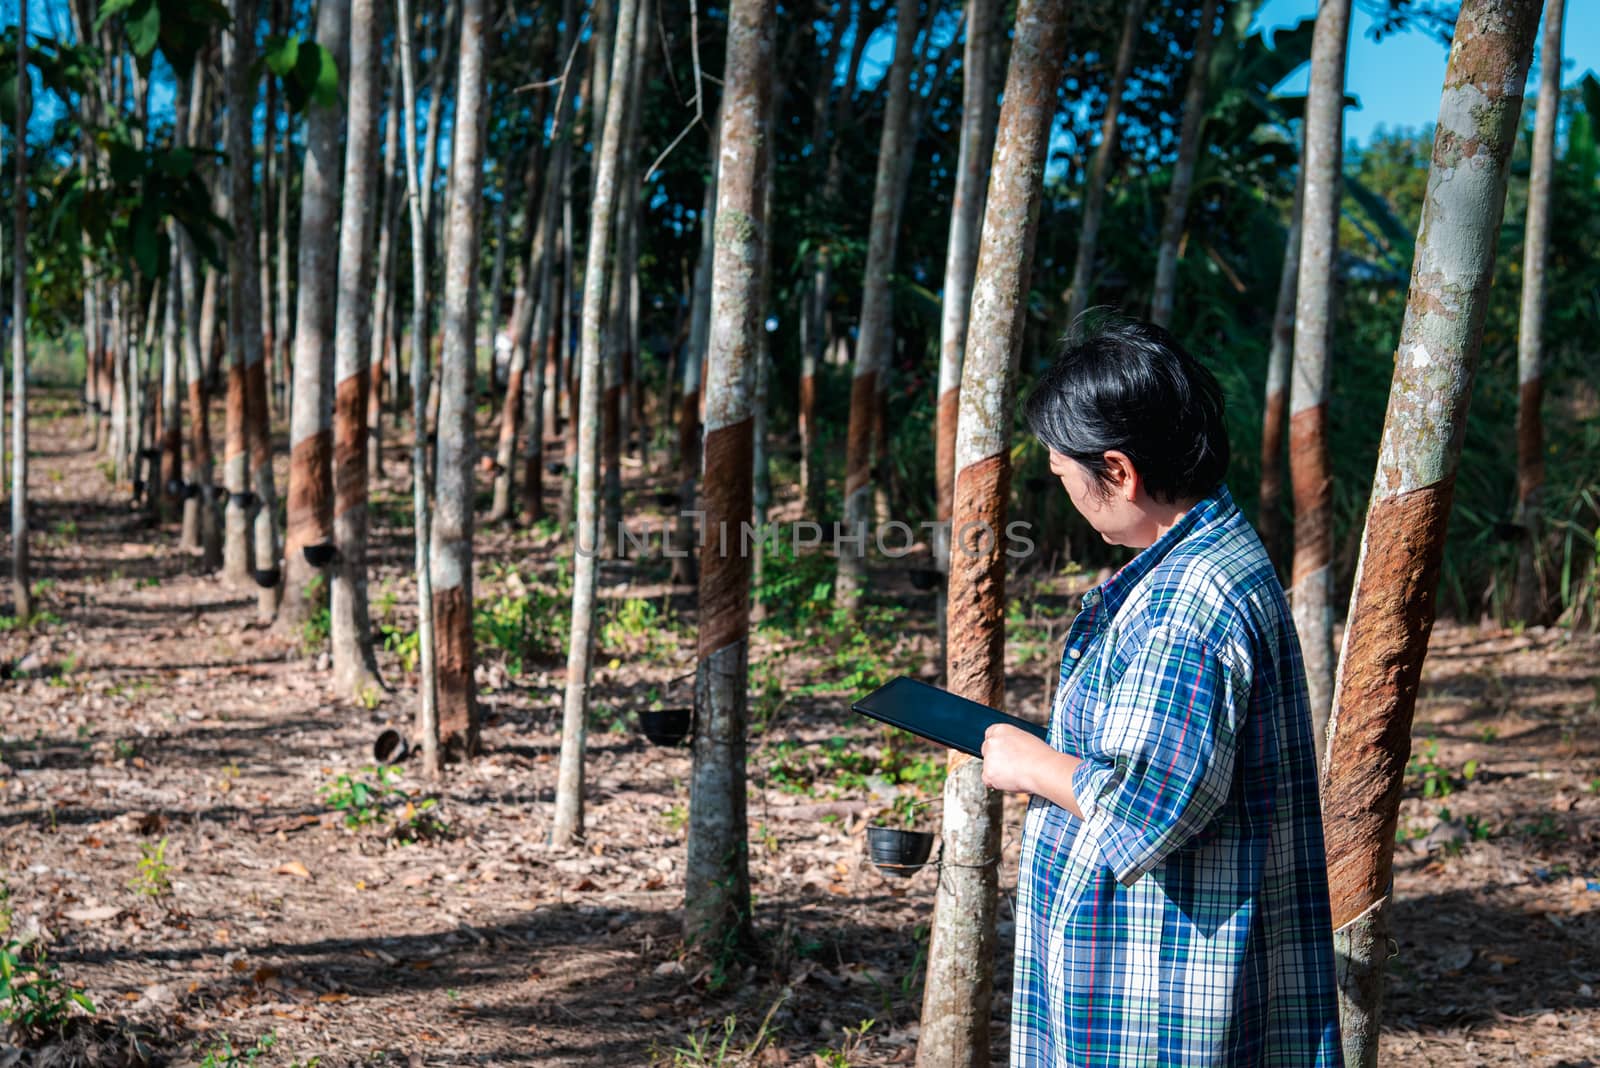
(1018, 762)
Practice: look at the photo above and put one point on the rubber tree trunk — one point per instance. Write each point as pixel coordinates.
(1397, 576)
(1094, 192)
(955, 1003)
(717, 872)
(381, 358)
(283, 305)
(1269, 517)
(451, 554)
(204, 496)
(550, 295)
(1164, 292)
(21, 580)
(427, 698)
(168, 493)
(568, 824)
(511, 404)
(244, 323)
(961, 256)
(1310, 464)
(355, 668)
(1527, 600)
(311, 402)
(872, 350)
(237, 555)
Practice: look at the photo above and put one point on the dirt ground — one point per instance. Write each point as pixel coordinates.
(150, 708)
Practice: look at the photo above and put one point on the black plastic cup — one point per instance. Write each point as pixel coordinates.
(666, 726)
(897, 851)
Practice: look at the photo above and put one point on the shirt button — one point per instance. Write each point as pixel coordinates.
(1074, 653)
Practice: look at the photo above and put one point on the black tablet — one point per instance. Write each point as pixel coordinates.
(938, 715)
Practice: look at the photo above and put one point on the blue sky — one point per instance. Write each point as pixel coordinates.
(1398, 80)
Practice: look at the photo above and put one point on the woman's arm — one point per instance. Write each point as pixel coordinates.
(1019, 762)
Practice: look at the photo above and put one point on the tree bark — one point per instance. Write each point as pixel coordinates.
(685, 565)
(1310, 465)
(244, 315)
(237, 554)
(427, 703)
(1164, 292)
(1527, 598)
(961, 258)
(1269, 519)
(168, 493)
(451, 554)
(955, 1006)
(1392, 607)
(568, 824)
(310, 524)
(1094, 192)
(872, 350)
(383, 301)
(717, 873)
(355, 667)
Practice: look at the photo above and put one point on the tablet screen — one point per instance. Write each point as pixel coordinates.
(937, 715)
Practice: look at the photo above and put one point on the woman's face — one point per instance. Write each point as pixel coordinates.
(1114, 510)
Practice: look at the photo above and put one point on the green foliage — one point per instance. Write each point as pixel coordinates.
(153, 876)
(223, 1055)
(373, 795)
(309, 73)
(1434, 779)
(35, 1003)
(522, 625)
(180, 28)
(843, 1055)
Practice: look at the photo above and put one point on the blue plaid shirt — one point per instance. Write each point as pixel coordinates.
(1185, 920)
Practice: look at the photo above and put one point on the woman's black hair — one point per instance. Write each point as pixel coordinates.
(1130, 386)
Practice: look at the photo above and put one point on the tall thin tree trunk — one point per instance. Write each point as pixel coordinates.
(355, 667)
(961, 259)
(872, 350)
(427, 703)
(1094, 192)
(204, 495)
(310, 524)
(451, 556)
(237, 555)
(568, 823)
(21, 580)
(1310, 465)
(550, 296)
(1527, 598)
(717, 872)
(1269, 519)
(168, 494)
(1164, 292)
(1402, 545)
(955, 1001)
(277, 382)
(380, 359)
(244, 310)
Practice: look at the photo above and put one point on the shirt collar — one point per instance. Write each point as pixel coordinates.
(1110, 594)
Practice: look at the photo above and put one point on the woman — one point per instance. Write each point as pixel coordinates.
(1173, 897)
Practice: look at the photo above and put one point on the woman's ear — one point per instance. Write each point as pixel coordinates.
(1120, 475)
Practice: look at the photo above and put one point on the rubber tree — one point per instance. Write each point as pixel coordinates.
(955, 1004)
(355, 668)
(872, 349)
(568, 825)
(1275, 409)
(21, 579)
(427, 697)
(512, 406)
(1527, 599)
(1094, 191)
(1310, 463)
(200, 530)
(1397, 574)
(717, 872)
(1164, 291)
(691, 367)
(961, 252)
(310, 523)
(383, 357)
(451, 552)
(167, 494)
(251, 465)
(237, 554)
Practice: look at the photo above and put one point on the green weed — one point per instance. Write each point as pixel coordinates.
(153, 876)
(35, 1003)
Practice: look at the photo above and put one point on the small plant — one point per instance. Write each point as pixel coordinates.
(420, 823)
(223, 1055)
(370, 697)
(843, 1055)
(904, 812)
(149, 582)
(403, 643)
(315, 630)
(153, 876)
(676, 818)
(361, 796)
(35, 1004)
(1436, 779)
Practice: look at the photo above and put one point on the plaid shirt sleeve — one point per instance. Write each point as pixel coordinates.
(1160, 762)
